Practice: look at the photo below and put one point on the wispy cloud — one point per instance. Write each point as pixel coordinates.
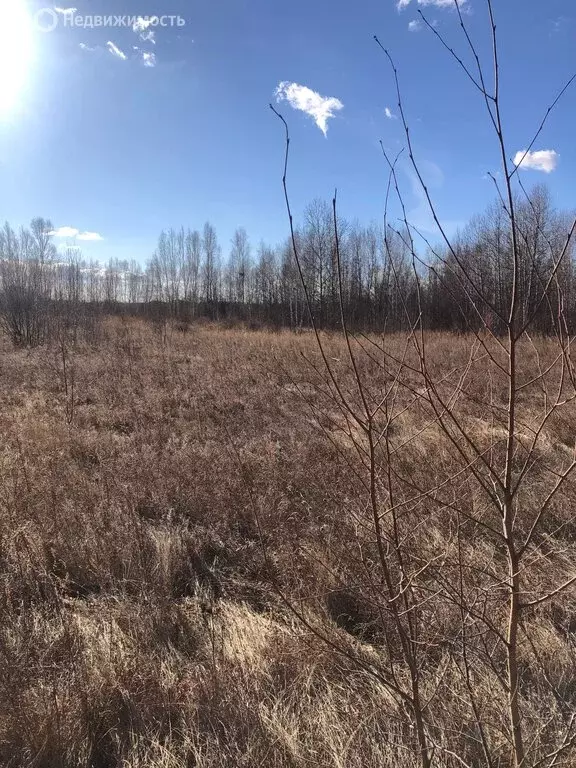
(560, 24)
(115, 51)
(319, 108)
(90, 236)
(148, 59)
(415, 25)
(544, 160)
(401, 4)
(419, 214)
(142, 28)
(389, 114)
(65, 11)
(75, 234)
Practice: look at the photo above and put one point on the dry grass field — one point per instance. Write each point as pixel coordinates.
(187, 565)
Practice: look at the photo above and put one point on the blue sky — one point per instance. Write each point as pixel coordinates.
(121, 143)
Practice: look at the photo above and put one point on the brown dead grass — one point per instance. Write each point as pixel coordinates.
(139, 624)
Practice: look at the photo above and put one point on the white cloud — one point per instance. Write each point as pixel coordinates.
(115, 51)
(75, 234)
(320, 108)
(64, 232)
(149, 59)
(544, 160)
(414, 26)
(65, 11)
(389, 114)
(401, 4)
(142, 28)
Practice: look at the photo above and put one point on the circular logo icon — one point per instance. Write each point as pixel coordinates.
(45, 20)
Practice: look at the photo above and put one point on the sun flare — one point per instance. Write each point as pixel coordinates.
(16, 47)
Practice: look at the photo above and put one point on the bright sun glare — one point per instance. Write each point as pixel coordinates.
(16, 46)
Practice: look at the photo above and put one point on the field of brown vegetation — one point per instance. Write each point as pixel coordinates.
(189, 572)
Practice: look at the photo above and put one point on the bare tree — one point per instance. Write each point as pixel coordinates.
(26, 276)
(453, 561)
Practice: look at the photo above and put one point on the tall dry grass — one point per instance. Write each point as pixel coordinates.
(167, 497)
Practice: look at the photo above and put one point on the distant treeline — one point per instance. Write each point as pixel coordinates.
(382, 279)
